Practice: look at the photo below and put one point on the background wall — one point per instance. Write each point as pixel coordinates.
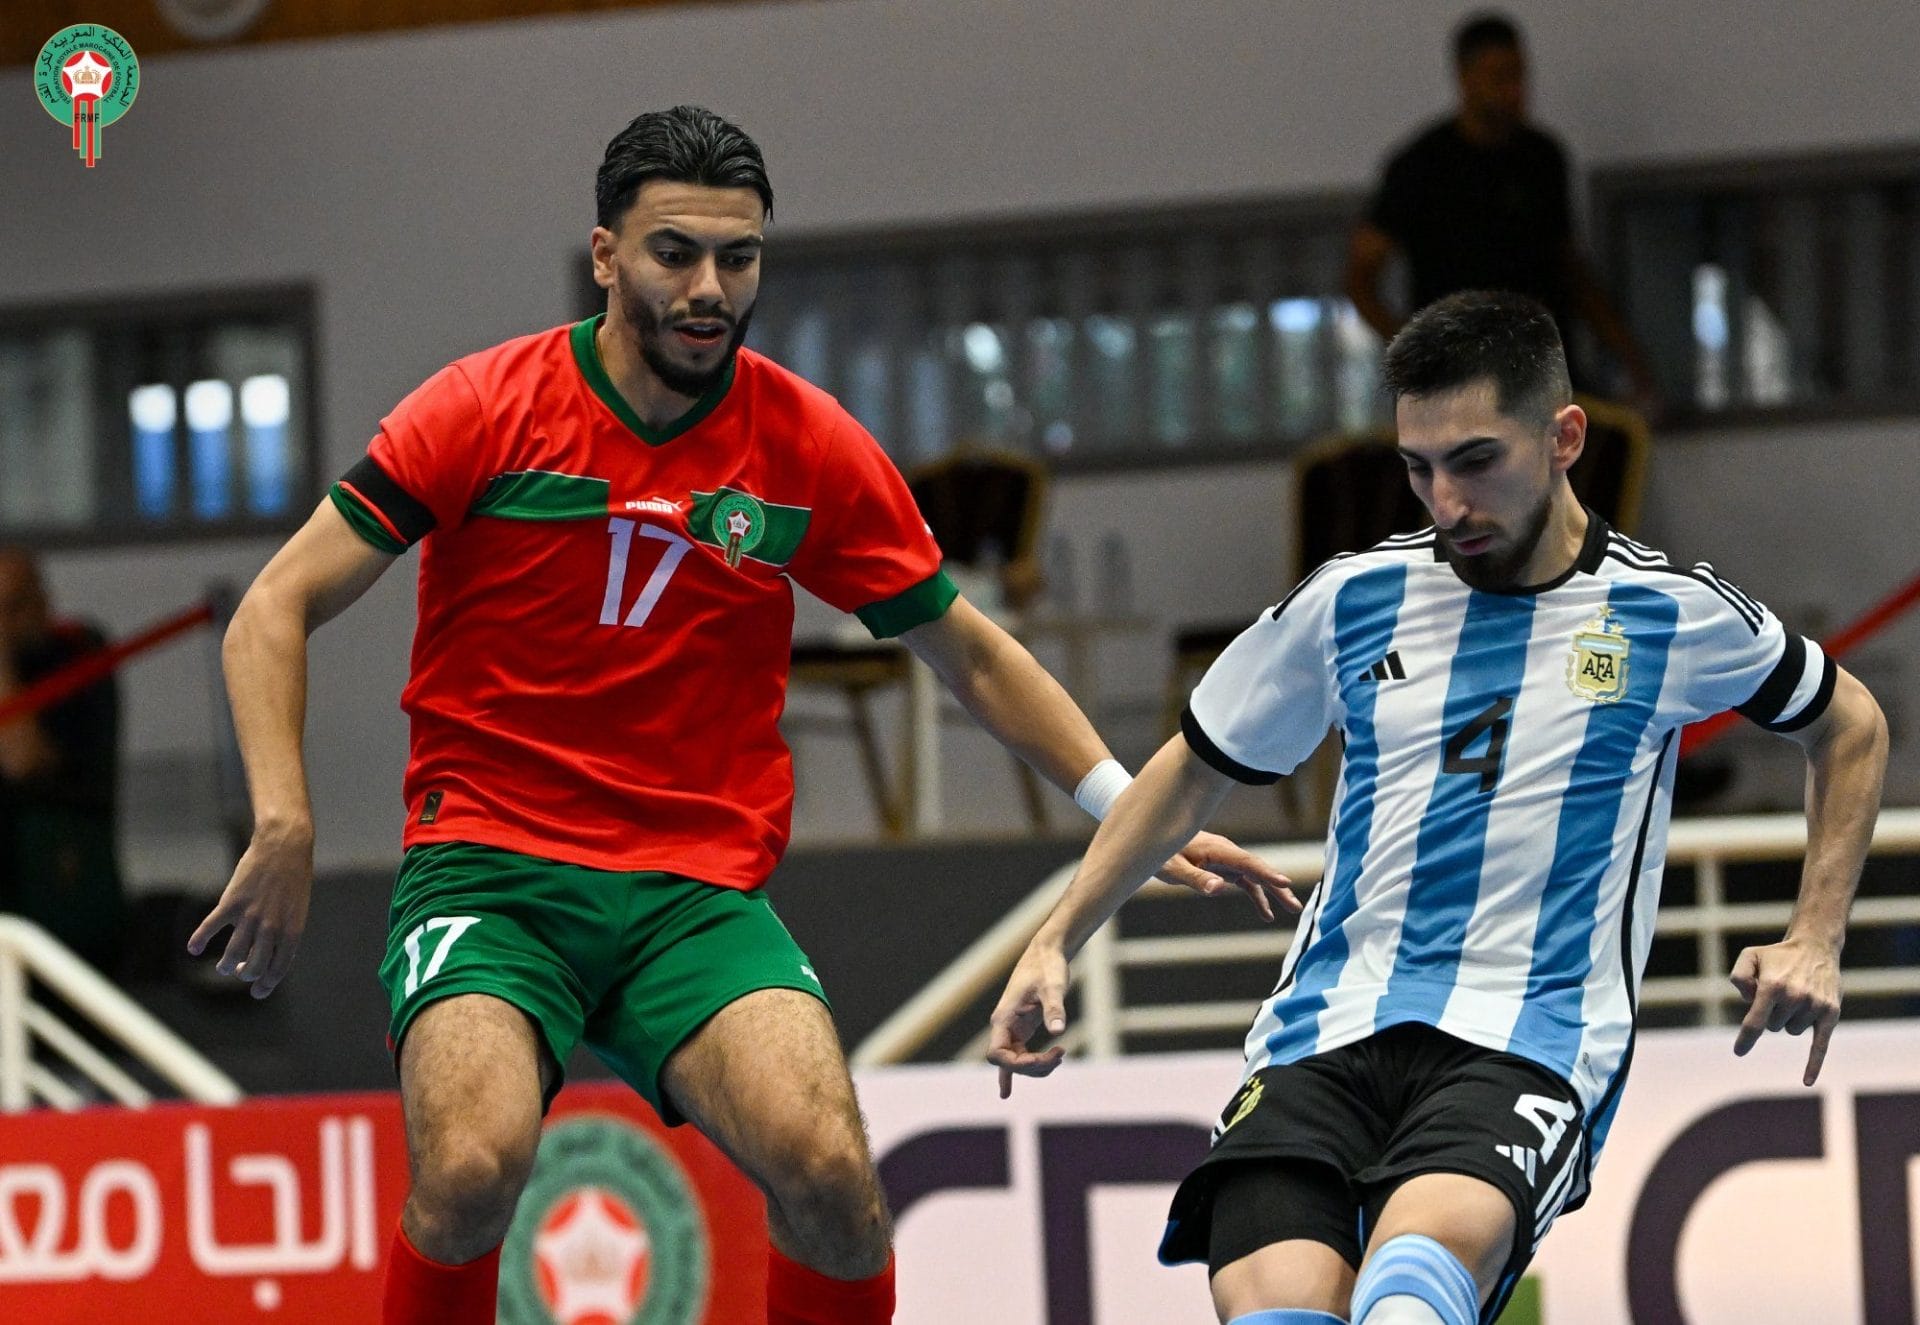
(436, 188)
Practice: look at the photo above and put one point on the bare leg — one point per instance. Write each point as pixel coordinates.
(1470, 1218)
(1438, 1252)
(472, 1072)
(767, 1082)
(1299, 1274)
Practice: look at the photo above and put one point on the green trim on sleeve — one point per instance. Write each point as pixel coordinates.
(924, 602)
(364, 524)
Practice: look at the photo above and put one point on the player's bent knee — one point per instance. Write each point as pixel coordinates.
(473, 1180)
(1413, 1280)
(828, 1203)
(834, 1184)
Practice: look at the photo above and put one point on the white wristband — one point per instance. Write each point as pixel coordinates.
(1101, 787)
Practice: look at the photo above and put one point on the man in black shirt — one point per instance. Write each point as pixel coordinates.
(1480, 201)
(58, 862)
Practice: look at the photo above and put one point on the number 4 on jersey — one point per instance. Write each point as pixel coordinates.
(622, 532)
(1493, 720)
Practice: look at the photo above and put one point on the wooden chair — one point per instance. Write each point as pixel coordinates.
(985, 509)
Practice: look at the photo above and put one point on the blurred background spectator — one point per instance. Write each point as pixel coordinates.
(1482, 200)
(59, 866)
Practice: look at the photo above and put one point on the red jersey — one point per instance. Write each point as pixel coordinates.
(606, 609)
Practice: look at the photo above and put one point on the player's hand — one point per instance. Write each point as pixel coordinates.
(1790, 986)
(1035, 999)
(1211, 865)
(265, 903)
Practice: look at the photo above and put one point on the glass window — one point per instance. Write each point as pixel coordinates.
(210, 447)
(1302, 390)
(47, 406)
(129, 422)
(154, 412)
(1762, 285)
(1235, 381)
(1216, 333)
(1050, 347)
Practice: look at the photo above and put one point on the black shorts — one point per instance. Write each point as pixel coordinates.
(1315, 1148)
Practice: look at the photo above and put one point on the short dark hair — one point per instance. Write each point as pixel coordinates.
(1484, 31)
(1481, 335)
(688, 145)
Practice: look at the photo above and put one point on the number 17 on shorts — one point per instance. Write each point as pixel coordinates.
(442, 932)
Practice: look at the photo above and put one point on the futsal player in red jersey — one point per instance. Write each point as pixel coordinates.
(611, 517)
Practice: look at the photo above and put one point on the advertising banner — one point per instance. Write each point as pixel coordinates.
(1727, 1193)
(282, 1210)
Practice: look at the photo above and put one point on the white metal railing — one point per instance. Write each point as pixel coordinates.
(1706, 844)
(29, 952)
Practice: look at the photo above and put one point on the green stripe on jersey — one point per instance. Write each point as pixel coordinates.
(363, 522)
(924, 602)
(786, 525)
(537, 494)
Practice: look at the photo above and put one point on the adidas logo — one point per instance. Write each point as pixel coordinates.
(1524, 1159)
(1387, 669)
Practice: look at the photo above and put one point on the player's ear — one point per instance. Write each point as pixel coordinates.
(601, 244)
(1567, 435)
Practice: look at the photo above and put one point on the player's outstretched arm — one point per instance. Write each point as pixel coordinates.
(323, 568)
(1018, 701)
(1794, 985)
(1175, 793)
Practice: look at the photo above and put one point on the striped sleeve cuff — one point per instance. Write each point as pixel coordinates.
(1216, 758)
(924, 602)
(1796, 691)
(382, 512)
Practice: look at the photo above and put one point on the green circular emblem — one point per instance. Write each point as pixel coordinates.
(86, 77)
(86, 63)
(608, 1232)
(739, 523)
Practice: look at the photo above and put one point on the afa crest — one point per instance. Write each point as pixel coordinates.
(1249, 1101)
(1597, 664)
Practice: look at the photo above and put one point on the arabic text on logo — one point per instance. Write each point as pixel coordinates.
(86, 77)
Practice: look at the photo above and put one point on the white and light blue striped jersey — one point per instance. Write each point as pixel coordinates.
(1499, 829)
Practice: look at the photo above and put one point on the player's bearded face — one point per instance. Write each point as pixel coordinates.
(1487, 480)
(1504, 562)
(682, 269)
(680, 370)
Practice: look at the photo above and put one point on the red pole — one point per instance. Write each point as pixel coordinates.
(83, 672)
(1837, 645)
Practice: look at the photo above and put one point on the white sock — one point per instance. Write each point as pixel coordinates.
(1413, 1280)
(1402, 1310)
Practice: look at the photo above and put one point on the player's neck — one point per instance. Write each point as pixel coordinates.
(656, 404)
(1559, 547)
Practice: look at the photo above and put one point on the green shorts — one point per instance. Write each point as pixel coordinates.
(633, 963)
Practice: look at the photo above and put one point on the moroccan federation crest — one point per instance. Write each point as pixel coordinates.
(739, 523)
(86, 77)
(608, 1232)
(1597, 663)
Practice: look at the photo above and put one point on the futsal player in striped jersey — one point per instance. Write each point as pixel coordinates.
(1434, 1075)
